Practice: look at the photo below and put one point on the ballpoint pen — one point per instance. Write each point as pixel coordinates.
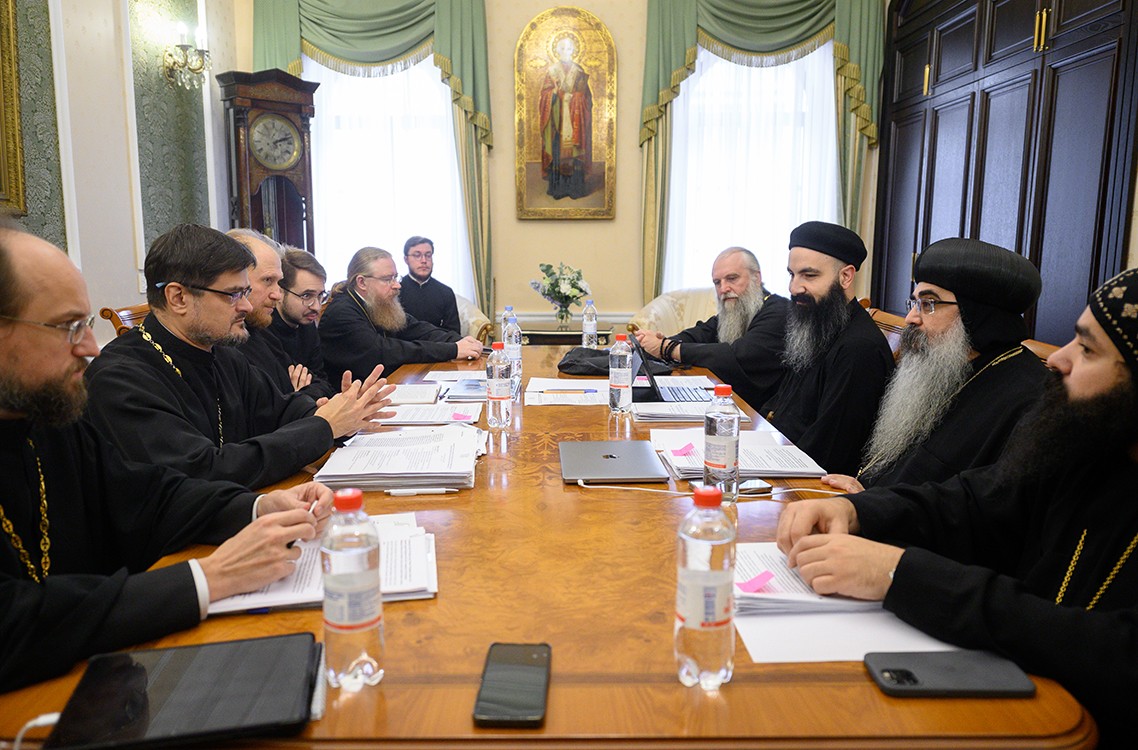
(421, 491)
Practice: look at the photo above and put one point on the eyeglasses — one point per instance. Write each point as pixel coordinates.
(383, 279)
(307, 298)
(927, 304)
(420, 256)
(233, 297)
(76, 329)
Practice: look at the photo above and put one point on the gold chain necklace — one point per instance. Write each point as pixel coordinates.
(1109, 578)
(158, 348)
(45, 541)
(997, 361)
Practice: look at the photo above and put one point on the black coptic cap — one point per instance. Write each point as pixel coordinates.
(982, 272)
(832, 239)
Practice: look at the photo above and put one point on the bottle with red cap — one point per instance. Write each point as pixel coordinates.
(620, 375)
(704, 631)
(353, 599)
(499, 387)
(721, 444)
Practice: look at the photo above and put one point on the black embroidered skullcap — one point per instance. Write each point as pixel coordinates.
(1115, 307)
(981, 271)
(831, 239)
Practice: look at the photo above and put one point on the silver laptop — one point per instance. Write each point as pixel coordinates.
(603, 461)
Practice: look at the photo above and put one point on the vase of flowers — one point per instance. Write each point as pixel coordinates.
(562, 286)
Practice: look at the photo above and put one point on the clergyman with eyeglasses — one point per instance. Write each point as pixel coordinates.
(295, 319)
(963, 381)
(420, 293)
(365, 325)
(175, 392)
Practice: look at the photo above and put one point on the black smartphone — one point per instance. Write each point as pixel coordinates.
(975, 674)
(515, 682)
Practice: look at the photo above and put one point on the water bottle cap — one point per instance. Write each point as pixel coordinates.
(509, 307)
(622, 337)
(708, 497)
(722, 390)
(498, 345)
(588, 302)
(348, 499)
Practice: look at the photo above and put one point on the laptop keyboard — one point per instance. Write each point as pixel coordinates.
(683, 393)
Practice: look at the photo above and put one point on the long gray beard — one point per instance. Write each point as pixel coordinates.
(811, 330)
(920, 393)
(734, 319)
(387, 316)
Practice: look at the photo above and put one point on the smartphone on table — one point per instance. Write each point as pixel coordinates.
(515, 684)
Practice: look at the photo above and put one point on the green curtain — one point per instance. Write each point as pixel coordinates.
(760, 33)
(380, 37)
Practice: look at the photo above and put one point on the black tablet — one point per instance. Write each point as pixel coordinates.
(176, 696)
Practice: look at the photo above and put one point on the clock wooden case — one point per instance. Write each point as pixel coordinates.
(267, 118)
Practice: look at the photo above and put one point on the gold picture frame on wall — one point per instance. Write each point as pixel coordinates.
(565, 107)
(11, 144)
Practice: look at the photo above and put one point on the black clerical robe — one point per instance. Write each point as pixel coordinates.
(156, 415)
(433, 302)
(352, 342)
(985, 561)
(828, 409)
(109, 521)
(752, 365)
(265, 352)
(1004, 385)
(301, 344)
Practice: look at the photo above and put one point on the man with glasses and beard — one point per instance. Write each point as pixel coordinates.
(175, 392)
(1031, 557)
(421, 294)
(262, 348)
(294, 319)
(365, 325)
(964, 380)
(742, 343)
(836, 358)
(79, 525)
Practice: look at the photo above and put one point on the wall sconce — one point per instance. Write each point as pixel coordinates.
(184, 64)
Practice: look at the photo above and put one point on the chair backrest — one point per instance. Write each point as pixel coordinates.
(473, 321)
(125, 318)
(676, 310)
(1040, 349)
(891, 327)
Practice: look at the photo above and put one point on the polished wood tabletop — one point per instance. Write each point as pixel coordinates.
(523, 557)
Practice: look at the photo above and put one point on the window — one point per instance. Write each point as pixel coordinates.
(754, 154)
(384, 169)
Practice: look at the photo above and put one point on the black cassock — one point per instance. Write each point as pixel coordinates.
(155, 415)
(973, 433)
(352, 342)
(985, 562)
(301, 344)
(265, 352)
(828, 409)
(432, 302)
(108, 522)
(753, 363)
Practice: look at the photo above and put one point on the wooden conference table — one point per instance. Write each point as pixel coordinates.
(524, 558)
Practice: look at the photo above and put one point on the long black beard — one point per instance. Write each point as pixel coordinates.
(55, 404)
(1059, 433)
(811, 327)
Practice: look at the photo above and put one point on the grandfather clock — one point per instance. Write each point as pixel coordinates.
(269, 153)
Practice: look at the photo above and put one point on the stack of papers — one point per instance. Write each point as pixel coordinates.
(678, 411)
(415, 393)
(408, 570)
(761, 455)
(448, 376)
(765, 585)
(443, 413)
(415, 457)
(563, 391)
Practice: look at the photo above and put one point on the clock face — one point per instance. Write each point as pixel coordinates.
(275, 142)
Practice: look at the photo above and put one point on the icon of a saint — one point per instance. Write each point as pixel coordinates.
(566, 111)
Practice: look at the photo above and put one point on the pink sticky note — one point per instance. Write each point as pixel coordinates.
(756, 583)
(460, 417)
(685, 451)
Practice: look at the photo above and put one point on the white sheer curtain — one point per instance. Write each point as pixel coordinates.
(384, 169)
(754, 154)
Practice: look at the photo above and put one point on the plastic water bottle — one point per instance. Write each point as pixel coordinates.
(589, 326)
(514, 353)
(353, 601)
(505, 321)
(704, 633)
(499, 396)
(721, 444)
(620, 376)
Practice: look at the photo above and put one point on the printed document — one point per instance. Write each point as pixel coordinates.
(762, 454)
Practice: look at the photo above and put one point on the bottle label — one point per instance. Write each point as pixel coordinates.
(620, 377)
(705, 599)
(720, 452)
(498, 389)
(513, 351)
(589, 326)
(353, 604)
